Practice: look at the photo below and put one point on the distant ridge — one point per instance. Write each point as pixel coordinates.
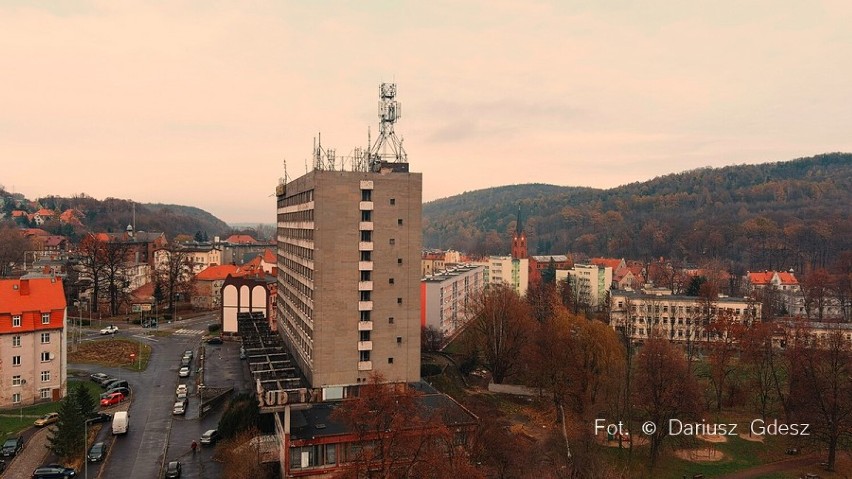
(695, 215)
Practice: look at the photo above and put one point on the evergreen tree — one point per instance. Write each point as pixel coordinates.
(66, 438)
(548, 276)
(88, 406)
(198, 237)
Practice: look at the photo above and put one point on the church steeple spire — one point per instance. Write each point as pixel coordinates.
(519, 240)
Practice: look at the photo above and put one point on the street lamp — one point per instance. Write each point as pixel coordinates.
(86, 447)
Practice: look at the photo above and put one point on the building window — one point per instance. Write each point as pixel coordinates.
(16, 321)
(45, 356)
(367, 235)
(399, 340)
(365, 315)
(392, 241)
(45, 318)
(45, 338)
(366, 195)
(399, 221)
(390, 360)
(393, 201)
(365, 296)
(366, 215)
(16, 398)
(44, 393)
(16, 380)
(366, 256)
(364, 336)
(365, 275)
(398, 300)
(16, 341)
(45, 376)
(364, 356)
(390, 280)
(16, 360)
(390, 320)
(399, 261)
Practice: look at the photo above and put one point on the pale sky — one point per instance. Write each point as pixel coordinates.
(200, 102)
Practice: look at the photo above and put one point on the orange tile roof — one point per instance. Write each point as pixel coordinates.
(45, 212)
(269, 256)
(17, 213)
(611, 262)
(212, 273)
(34, 232)
(45, 294)
(241, 239)
(765, 277)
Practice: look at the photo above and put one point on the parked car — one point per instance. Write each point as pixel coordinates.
(100, 378)
(2, 465)
(115, 383)
(112, 399)
(210, 436)
(120, 423)
(185, 361)
(48, 418)
(183, 372)
(101, 417)
(111, 329)
(214, 340)
(97, 452)
(121, 390)
(173, 470)
(182, 391)
(189, 353)
(54, 471)
(179, 407)
(12, 446)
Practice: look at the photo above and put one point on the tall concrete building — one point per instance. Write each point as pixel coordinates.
(349, 273)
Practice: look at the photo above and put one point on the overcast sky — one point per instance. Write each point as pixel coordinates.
(200, 103)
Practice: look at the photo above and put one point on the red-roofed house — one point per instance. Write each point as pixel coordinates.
(71, 216)
(32, 340)
(781, 280)
(241, 239)
(619, 269)
(43, 215)
(207, 289)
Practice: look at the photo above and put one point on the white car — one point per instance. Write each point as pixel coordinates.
(183, 372)
(181, 391)
(111, 329)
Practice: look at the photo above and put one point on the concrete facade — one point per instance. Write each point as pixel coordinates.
(349, 248)
(445, 297)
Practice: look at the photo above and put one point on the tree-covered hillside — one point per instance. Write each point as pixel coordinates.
(774, 215)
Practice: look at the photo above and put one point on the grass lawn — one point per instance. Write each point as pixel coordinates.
(15, 420)
(114, 352)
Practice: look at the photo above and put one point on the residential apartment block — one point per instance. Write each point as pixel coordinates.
(349, 246)
(514, 272)
(678, 318)
(445, 297)
(590, 283)
(33, 359)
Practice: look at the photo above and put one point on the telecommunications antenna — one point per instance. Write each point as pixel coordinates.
(388, 146)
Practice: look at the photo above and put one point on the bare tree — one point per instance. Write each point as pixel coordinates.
(175, 274)
(12, 247)
(92, 263)
(501, 322)
(664, 389)
(115, 256)
(821, 385)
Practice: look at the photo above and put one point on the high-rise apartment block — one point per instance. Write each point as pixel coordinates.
(349, 247)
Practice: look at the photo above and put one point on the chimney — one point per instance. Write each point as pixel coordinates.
(25, 287)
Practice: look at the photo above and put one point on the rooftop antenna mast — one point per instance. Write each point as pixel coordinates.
(388, 146)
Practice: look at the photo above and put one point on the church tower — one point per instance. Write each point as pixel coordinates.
(519, 240)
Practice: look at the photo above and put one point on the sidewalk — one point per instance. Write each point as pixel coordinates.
(30, 458)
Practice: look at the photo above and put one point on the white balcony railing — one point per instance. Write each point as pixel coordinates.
(365, 246)
(365, 285)
(365, 226)
(365, 345)
(365, 325)
(365, 305)
(366, 206)
(365, 365)
(365, 266)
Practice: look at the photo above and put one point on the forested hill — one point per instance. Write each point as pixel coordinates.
(113, 215)
(773, 215)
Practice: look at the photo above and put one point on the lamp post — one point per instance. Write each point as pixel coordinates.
(86, 448)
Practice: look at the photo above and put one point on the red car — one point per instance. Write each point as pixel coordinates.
(112, 399)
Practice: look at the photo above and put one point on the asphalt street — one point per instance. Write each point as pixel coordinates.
(155, 435)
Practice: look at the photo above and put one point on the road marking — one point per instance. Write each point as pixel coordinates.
(148, 338)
